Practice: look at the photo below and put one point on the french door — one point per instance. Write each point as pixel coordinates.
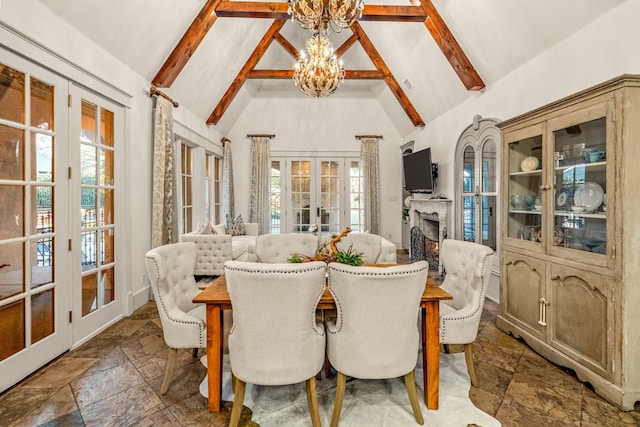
(315, 195)
(59, 279)
(97, 132)
(35, 279)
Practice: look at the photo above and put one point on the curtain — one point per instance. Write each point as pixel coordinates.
(260, 196)
(370, 173)
(164, 215)
(227, 181)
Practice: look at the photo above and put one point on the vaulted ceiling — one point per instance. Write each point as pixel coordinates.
(429, 54)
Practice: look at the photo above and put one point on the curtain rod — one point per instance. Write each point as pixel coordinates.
(368, 136)
(260, 135)
(158, 92)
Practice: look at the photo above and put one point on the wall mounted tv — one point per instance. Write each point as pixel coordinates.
(418, 172)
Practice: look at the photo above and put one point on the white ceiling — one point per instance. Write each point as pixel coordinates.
(496, 35)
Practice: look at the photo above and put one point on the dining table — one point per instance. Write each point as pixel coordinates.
(216, 298)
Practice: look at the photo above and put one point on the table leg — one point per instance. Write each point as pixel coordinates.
(431, 353)
(214, 356)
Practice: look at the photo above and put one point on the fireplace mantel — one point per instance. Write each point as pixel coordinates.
(432, 211)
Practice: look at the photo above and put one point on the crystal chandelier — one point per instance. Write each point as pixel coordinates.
(318, 15)
(319, 74)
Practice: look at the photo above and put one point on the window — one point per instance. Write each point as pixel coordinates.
(186, 173)
(356, 197)
(275, 197)
(213, 188)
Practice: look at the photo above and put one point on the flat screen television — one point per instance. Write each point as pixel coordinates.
(418, 172)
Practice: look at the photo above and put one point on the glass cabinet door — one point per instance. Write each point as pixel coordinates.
(525, 181)
(580, 184)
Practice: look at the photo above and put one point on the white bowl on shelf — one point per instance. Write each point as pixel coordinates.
(577, 209)
(537, 207)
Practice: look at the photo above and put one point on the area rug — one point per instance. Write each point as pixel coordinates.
(372, 403)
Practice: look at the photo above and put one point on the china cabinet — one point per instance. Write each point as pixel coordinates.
(570, 276)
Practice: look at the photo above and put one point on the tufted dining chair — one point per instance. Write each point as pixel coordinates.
(170, 270)
(277, 248)
(374, 248)
(468, 266)
(368, 342)
(275, 339)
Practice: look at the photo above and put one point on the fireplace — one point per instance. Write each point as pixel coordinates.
(429, 221)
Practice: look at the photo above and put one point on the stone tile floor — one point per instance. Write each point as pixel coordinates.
(114, 380)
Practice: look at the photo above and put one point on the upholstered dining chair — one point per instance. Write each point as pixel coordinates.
(170, 269)
(468, 267)
(278, 248)
(275, 339)
(370, 341)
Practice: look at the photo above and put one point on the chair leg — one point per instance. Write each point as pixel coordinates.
(468, 355)
(168, 372)
(238, 400)
(337, 405)
(410, 385)
(446, 348)
(233, 383)
(312, 400)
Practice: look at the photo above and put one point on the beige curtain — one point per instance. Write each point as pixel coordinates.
(260, 195)
(369, 158)
(227, 181)
(164, 215)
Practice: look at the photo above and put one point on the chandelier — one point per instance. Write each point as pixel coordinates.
(319, 74)
(317, 15)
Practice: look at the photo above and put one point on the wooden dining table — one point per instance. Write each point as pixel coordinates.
(216, 298)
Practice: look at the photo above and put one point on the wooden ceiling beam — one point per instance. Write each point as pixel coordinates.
(286, 44)
(346, 45)
(288, 74)
(278, 10)
(450, 48)
(253, 60)
(391, 81)
(187, 45)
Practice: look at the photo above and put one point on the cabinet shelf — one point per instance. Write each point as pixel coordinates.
(595, 167)
(529, 173)
(522, 211)
(598, 215)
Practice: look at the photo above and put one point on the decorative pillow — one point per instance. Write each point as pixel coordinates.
(220, 229)
(235, 226)
(207, 229)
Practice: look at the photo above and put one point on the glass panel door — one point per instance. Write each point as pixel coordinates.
(34, 280)
(329, 193)
(307, 195)
(479, 193)
(301, 196)
(581, 165)
(98, 131)
(525, 182)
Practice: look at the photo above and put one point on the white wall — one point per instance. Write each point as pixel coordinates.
(304, 124)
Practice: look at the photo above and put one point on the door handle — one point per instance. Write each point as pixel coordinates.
(317, 212)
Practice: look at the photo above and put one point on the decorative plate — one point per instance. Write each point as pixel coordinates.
(407, 202)
(529, 163)
(562, 199)
(590, 195)
(558, 235)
